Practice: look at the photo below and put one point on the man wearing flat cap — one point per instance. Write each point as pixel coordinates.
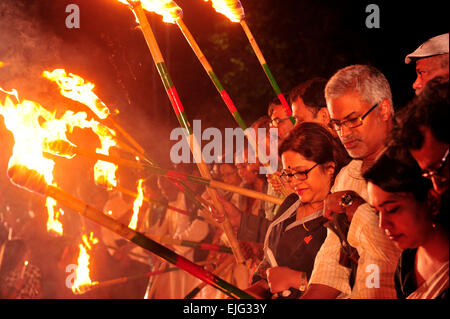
(431, 59)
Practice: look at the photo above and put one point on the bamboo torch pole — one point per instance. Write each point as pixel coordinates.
(63, 148)
(266, 69)
(182, 118)
(225, 96)
(35, 182)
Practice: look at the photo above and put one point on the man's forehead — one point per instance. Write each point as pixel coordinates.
(427, 62)
(279, 111)
(431, 152)
(346, 104)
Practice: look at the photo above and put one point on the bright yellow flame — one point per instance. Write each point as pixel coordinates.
(105, 172)
(232, 9)
(23, 120)
(136, 206)
(53, 224)
(82, 277)
(168, 9)
(73, 87)
(2, 64)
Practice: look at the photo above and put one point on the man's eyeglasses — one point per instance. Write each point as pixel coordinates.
(299, 175)
(276, 121)
(352, 122)
(437, 172)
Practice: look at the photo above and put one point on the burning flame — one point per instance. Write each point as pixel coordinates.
(166, 8)
(232, 9)
(82, 277)
(23, 120)
(2, 64)
(136, 206)
(105, 172)
(73, 87)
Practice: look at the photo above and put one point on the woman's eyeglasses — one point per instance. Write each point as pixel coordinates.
(299, 175)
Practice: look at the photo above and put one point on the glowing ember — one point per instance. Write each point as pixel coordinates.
(136, 206)
(74, 87)
(22, 120)
(166, 8)
(2, 64)
(232, 9)
(82, 277)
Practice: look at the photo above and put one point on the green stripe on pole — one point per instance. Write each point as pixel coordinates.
(271, 79)
(239, 120)
(164, 73)
(216, 81)
(182, 118)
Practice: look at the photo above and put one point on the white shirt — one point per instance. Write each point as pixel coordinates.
(378, 256)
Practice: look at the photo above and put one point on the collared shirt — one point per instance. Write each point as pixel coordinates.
(378, 255)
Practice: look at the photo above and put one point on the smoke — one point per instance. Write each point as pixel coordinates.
(25, 48)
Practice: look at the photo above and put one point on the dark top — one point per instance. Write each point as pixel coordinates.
(295, 248)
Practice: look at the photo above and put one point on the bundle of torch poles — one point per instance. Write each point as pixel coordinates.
(32, 180)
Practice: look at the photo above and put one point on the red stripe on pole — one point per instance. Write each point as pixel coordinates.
(285, 104)
(175, 100)
(228, 101)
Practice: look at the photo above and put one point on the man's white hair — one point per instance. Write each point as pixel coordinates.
(369, 82)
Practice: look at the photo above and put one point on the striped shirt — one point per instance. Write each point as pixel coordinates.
(378, 256)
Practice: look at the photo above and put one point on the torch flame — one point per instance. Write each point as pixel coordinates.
(82, 277)
(136, 206)
(232, 9)
(22, 120)
(73, 87)
(168, 9)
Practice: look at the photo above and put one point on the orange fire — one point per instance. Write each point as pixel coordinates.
(136, 206)
(73, 87)
(23, 120)
(232, 9)
(166, 8)
(2, 64)
(82, 277)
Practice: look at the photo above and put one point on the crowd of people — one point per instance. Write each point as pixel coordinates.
(365, 189)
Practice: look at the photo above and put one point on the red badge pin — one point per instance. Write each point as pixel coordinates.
(307, 239)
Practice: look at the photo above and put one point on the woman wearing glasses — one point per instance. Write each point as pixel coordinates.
(311, 159)
(409, 217)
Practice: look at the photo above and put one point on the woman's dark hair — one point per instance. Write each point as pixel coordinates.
(315, 143)
(13, 253)
(395, 171)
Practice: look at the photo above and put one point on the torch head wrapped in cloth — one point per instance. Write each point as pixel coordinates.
(232, 9)
(167, 8)
(27, 178)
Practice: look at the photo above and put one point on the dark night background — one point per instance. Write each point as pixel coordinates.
(300, 39)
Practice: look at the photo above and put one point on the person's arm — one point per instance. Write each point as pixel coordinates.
(327, 270)
(259, 289)
(319, 291)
